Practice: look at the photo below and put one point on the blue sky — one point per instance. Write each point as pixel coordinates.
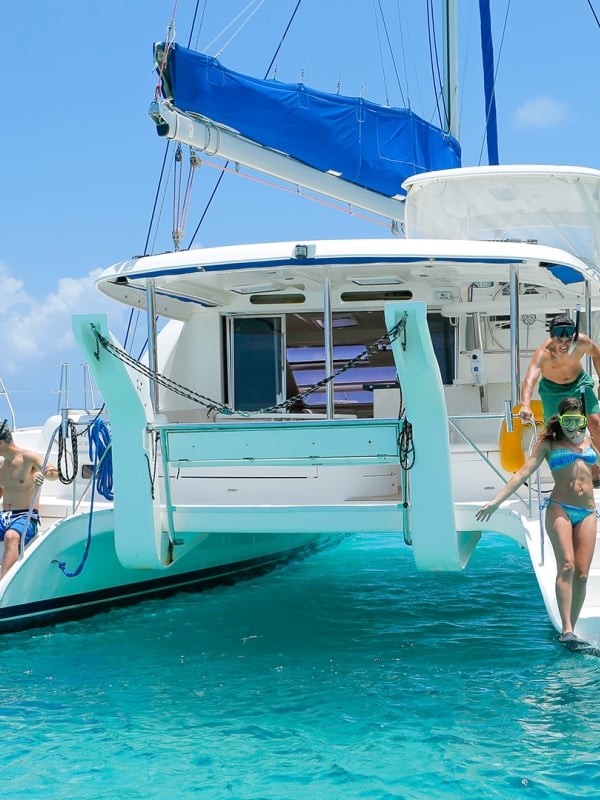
(80, 157)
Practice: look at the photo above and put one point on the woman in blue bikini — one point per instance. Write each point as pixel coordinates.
(570, 509)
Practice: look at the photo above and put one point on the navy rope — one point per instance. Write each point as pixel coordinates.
(99, 442)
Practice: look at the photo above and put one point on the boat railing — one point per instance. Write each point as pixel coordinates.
(89, 399)
(455, 421)
(80, 481)
(7, 400)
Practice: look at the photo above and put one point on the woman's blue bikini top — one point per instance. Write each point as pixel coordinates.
(563, 457)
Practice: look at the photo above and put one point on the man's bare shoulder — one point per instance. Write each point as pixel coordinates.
(585, 344)
(543, 352)
(31, 456)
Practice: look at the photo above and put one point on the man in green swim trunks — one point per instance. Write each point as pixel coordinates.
(556, 364)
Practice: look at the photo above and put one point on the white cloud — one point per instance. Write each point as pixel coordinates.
(11, 289)
(34, 329)
(542, 112)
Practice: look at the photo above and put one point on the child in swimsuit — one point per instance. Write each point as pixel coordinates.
(570, 508)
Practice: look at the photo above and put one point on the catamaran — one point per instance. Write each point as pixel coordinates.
(295, 392)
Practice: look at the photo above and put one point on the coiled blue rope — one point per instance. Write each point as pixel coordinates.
(99, 444)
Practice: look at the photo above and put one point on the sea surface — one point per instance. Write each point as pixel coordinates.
(346, 675)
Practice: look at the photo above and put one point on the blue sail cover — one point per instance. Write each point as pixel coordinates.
(369, 145)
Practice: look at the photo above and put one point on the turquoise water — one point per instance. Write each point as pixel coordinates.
(347, 675)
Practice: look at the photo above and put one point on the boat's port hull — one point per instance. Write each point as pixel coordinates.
(36, 592)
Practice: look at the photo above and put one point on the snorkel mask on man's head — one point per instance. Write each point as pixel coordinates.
(562, 327)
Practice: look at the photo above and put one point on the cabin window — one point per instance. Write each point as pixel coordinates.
(272, 358)
(443, 338)
(256, 375)
(353, 332)
(276, 299)
(376, 294)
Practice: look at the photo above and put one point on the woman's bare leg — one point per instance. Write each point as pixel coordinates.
(584, 541)
(560, 533)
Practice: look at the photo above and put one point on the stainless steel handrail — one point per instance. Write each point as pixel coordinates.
(457, 418)
(4, 393)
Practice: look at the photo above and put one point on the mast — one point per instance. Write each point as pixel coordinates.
(450, 55)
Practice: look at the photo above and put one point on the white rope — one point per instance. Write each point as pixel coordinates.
(233, 21)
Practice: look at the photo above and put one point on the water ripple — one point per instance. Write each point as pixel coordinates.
(348, 675)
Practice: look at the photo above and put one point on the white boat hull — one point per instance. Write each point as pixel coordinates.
(37, 592)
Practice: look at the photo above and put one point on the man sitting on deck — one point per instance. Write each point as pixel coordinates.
(557, 365)
(21, 473)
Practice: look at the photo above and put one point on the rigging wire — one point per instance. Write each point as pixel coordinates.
(283, 38)
(193, 25)
(156, 196)
(305, 193)
(233, 36)
(403, 49)
(343, 54)
(170, 35)
(589, 2)
(233, 21)
(128, 330)
(387, 94)
(435, 69)
(220, 178)
(405, 103)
